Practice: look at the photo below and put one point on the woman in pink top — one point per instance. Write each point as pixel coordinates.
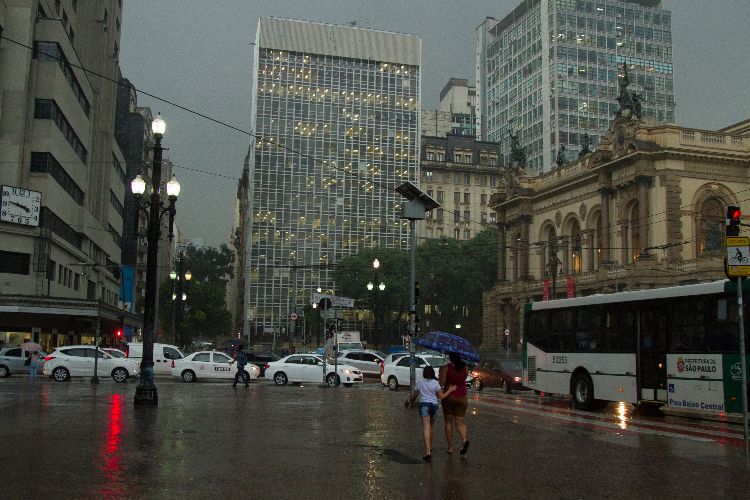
(454, 406)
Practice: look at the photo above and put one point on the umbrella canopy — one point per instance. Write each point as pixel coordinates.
(447, 342)
(30, 346)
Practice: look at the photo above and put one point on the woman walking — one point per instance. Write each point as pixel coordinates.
(454, 406)
(429, 392)
(33, 359)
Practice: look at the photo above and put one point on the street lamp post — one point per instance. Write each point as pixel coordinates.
(179, 296)
(370, 287)
(145, 392)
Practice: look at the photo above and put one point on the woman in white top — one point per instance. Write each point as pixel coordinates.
(429, 392)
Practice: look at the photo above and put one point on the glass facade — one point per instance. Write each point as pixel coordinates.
(356, 124)
(573, 51)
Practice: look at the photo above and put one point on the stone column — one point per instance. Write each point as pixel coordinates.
(606, 193)
(566, 242)
(501, 251)
(644, 183)
(624, 242)
(525, 221)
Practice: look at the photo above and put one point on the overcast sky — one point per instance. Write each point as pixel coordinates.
(198, 54)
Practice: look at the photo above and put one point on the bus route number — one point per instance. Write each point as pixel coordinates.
(562, 360)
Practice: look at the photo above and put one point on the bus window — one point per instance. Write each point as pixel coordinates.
(687, 325)
(721, 333)
(619, 328)
(561, 331)
(588, 328)
(536, 333)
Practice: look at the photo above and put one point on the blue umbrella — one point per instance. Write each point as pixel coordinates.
(447, 342)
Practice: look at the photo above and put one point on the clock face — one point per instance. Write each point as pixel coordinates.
(20, 206)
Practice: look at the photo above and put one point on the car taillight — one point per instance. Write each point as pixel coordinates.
(47, 358)
(173, 363)
(266, 366)
(382, 367)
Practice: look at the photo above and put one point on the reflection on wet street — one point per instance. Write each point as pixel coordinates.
(308, 442)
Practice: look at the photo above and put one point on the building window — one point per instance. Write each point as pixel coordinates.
(439, 196)
(457, 234)
(429, 193)
(467, 234)
(116, 236)
(51, 51)
(467, 197)
(711, 226)
(46, 163)
(51, 268)
(440, 215)
(60, 228)
(456, 197)
(483, 219)
(467, 179)
(493, 217)
(439, 155)
(118, 168)
(430, 155)
(47, 109)
(116, 203)
(14, 262)
(428, 174)
(483, 198)
(467, 216)
(456, 216)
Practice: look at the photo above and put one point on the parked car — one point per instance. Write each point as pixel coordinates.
(164, 354)
(13, 360)
(261, 359)
(502, 373)
(78, 361)
(309, 368)
(368, 361)
(209, 365)
(398, 373)
(115, 353)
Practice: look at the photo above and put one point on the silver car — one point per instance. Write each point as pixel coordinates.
(13, 360)
(369, 362)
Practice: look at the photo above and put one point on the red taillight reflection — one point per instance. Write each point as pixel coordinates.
(47, 358)
(173, 363)
(266, 366)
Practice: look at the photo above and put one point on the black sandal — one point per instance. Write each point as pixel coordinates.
(464, 448)
(427, 458)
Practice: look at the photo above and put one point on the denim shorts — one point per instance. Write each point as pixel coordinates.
(427, 409)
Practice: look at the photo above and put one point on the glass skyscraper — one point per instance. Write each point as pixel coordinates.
(549, 71)
(336, 116)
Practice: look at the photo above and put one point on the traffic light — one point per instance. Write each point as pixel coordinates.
(733, 220)
(118, 334)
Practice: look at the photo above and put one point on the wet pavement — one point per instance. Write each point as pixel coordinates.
(210, 440)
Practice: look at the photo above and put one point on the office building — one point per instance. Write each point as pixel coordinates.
(337, 113)
(62, 172)
(548, 73)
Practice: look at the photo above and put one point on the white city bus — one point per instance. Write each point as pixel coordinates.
(677, 346)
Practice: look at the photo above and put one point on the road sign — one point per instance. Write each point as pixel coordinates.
(738, 256)
(336, 301)
(293, 316)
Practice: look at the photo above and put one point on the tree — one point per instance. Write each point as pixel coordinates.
(206, 314)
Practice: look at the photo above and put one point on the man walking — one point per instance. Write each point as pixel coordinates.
(241, 359)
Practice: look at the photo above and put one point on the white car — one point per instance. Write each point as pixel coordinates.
(398, 373)
(78, 361)
(369, 362)
(309, 368)
(209, 365)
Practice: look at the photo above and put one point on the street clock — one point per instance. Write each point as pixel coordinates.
(20, 206)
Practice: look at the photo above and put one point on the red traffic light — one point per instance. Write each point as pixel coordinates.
(733, 220)
(118, 333)
(736, 214)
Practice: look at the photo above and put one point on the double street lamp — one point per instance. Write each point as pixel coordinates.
(145, 392)
(179, 296)
(370, 287)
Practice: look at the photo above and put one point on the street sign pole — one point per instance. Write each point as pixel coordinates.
(738, 265)
(743, 364)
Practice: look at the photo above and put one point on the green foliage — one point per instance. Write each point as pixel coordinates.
(206, 314)
(452, 275)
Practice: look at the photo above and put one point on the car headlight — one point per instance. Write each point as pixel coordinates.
(516, 379)
(346, 371)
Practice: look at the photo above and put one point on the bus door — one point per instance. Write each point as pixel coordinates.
(652, 354)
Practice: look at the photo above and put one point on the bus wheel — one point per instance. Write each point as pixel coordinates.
(582, 391)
